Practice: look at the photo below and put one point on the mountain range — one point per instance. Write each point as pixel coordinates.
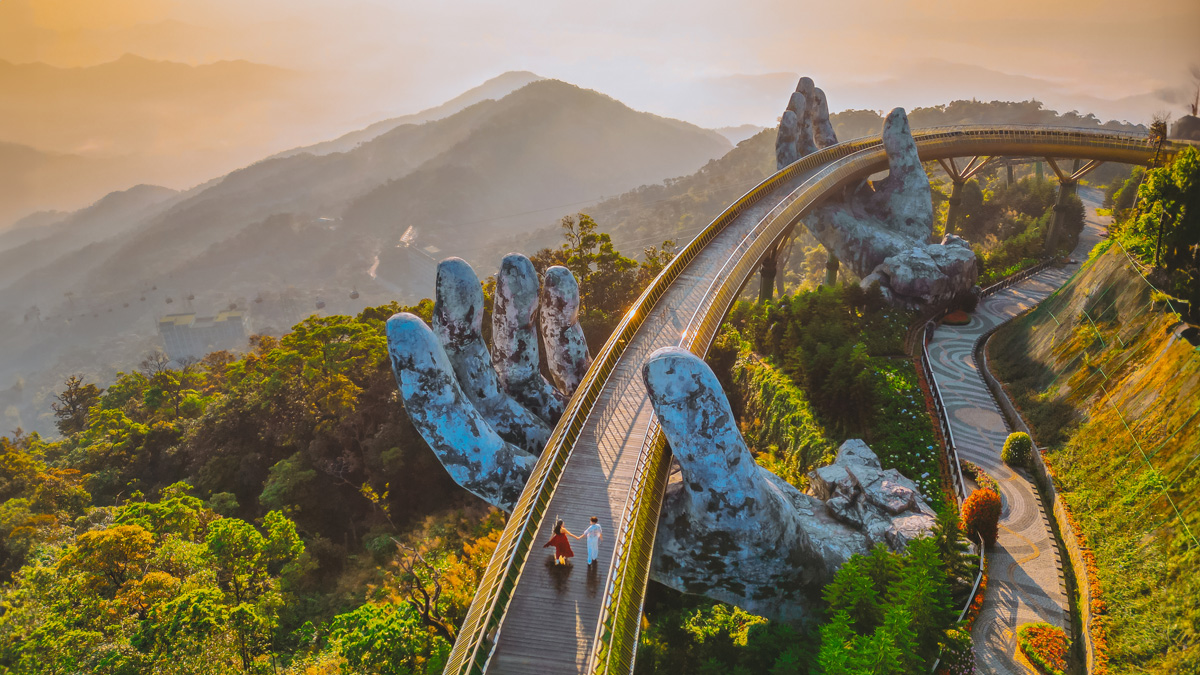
(297, 230)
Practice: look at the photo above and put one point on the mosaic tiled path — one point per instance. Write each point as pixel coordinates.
(1025, 580)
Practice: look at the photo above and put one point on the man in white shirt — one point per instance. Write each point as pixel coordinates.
(593, 534)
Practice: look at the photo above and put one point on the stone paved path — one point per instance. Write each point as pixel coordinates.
(1025, 581)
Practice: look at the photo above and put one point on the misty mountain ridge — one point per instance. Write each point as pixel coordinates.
(496, 88)
(285, 233)
(113, 215)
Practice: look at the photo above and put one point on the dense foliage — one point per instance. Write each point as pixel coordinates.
(888, 613)
(775, 417)
(1164, 227)
(608, 281)
(824, 340)
(884, 613)
(164, 587)
(1008, 224)
(840, 347)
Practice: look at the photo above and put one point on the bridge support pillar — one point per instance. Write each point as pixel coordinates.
(955, 202)
(958, 179)
(1068, 184)
(768, 273)
(1011, 177)
(831, 269)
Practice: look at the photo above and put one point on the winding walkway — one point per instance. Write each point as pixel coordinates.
(1025, 581)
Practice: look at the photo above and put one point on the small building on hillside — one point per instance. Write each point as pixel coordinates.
(188, 336)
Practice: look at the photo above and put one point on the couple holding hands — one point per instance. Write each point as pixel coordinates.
(562, 545)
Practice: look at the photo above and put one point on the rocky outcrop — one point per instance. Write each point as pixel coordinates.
(458, 324)
(880, 503)
(514, 335)
(566, 347)
(474, 455)
(733, 531)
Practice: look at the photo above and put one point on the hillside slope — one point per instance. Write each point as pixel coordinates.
(1110, 386)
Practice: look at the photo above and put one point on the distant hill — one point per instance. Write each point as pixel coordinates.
(68, 136)
(130, 105)
(739, 133)
(498, 87)
(33, 180)
(113, 215)
(549, 144)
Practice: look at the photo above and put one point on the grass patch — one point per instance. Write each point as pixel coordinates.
(1114, 396)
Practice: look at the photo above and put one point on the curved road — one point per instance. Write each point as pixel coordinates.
(1025, 582)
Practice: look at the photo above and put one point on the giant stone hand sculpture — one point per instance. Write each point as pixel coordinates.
(880, 230)
(487, 421)
(736, 532)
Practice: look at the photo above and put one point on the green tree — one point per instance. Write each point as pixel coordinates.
(388, 639)
(72, 404)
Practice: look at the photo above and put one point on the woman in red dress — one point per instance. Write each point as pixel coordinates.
(562, 546)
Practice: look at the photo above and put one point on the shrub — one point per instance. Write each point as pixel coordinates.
(1018, 449)
(981, 515)
(1044, 645)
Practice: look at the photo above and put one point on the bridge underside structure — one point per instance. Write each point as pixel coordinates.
(607, 458)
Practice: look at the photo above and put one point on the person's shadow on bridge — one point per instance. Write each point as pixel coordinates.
(593, 579)
(559, 575)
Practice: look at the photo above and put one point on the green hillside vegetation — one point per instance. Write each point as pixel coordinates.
(1008, 224)
(273, 512)
(1163, 227)
(1102, 372)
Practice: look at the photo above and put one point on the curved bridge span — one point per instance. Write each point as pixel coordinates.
(607, 458)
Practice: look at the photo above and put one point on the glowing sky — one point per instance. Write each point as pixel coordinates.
(379, 57)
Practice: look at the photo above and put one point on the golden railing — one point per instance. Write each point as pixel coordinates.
(617, 634)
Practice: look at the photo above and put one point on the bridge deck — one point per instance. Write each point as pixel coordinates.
(551, 622)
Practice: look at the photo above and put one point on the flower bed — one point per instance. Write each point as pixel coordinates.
(977, 602)
(1045, 646)
(904, 435)
(956, 318)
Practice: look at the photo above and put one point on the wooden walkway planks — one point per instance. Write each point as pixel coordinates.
(552, 618)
